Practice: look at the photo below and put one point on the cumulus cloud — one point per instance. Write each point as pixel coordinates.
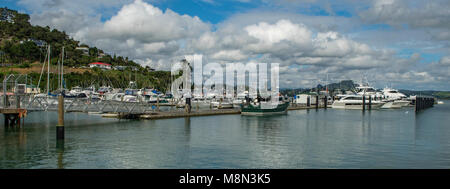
(414, 13)
(307, 47)
(432, 16)
(149, 24)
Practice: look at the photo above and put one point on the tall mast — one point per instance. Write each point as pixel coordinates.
(62, 68)
(48, 71)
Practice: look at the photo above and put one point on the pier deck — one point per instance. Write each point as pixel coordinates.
(178, 114)
(13, 116)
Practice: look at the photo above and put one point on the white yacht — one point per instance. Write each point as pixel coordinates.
(355, 102)
(390, 93)
(394, 98)
(225, 103)
(199, 101)
(367, 90)
(240, 98)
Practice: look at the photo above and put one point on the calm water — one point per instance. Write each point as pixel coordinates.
(302, 139)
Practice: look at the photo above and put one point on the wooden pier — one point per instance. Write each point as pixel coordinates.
(423, 102)
(13, 116)
(179, 114)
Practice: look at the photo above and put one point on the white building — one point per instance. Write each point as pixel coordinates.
(100, 65)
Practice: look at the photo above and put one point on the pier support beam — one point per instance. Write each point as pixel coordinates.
(188, 105)
(363, 103)
(317, 102)
(157, 103)
(60, 126)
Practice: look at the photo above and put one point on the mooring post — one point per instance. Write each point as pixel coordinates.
(415, 104)
(6, 101)
(326, 102)
(317, 101)
(6, 120)
(364, 103)
(308, 101)
(188, 105)
(370, 102)
(18, 101)
(157, 103)
(60, 126)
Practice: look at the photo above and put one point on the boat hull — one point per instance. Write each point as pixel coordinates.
(255, 110)
(354, 106)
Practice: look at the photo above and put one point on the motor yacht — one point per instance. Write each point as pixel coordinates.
(355, 102)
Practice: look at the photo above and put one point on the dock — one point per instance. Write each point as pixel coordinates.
(196, 113)
(13, 116)
(423, 102)
(178, 114)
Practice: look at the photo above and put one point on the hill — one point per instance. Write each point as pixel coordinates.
(23, 48)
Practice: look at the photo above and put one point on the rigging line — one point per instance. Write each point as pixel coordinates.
(42, 71)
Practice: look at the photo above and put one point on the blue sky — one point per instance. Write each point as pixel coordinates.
(362, 36)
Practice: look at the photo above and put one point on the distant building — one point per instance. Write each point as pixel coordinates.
(100, 65)
(101, 55)
(39, 43)
(85, 50)
(120, 68)
(6, 16)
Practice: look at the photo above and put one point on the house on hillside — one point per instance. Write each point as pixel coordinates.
(100, 65)
(6, 16)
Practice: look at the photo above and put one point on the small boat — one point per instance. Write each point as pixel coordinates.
(262, 107)
(440, 102)
(225, 104)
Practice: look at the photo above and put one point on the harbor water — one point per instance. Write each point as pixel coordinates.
(324, 138)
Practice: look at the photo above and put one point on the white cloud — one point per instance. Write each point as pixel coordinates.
(307, 47)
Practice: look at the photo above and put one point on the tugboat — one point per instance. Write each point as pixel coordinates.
(264, 106)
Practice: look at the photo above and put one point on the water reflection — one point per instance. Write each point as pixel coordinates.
(302, 139)
(60, 152)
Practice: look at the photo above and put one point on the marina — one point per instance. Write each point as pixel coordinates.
(230, 85)
(309, 138)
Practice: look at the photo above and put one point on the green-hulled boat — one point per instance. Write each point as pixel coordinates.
(265, 108)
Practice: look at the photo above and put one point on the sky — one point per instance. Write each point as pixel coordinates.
(398, 43)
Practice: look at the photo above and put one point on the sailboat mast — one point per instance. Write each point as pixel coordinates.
(62, 68)
(48, 71)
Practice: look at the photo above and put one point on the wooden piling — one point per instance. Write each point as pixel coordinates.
(308, 101)
(317, 101)
(157, 103)
(363, 103)
(17, 101)
(60, 126)
(370, 102)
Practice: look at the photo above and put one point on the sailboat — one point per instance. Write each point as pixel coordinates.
(264, 106)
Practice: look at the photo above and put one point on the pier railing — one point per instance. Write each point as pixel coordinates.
(50, 103)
